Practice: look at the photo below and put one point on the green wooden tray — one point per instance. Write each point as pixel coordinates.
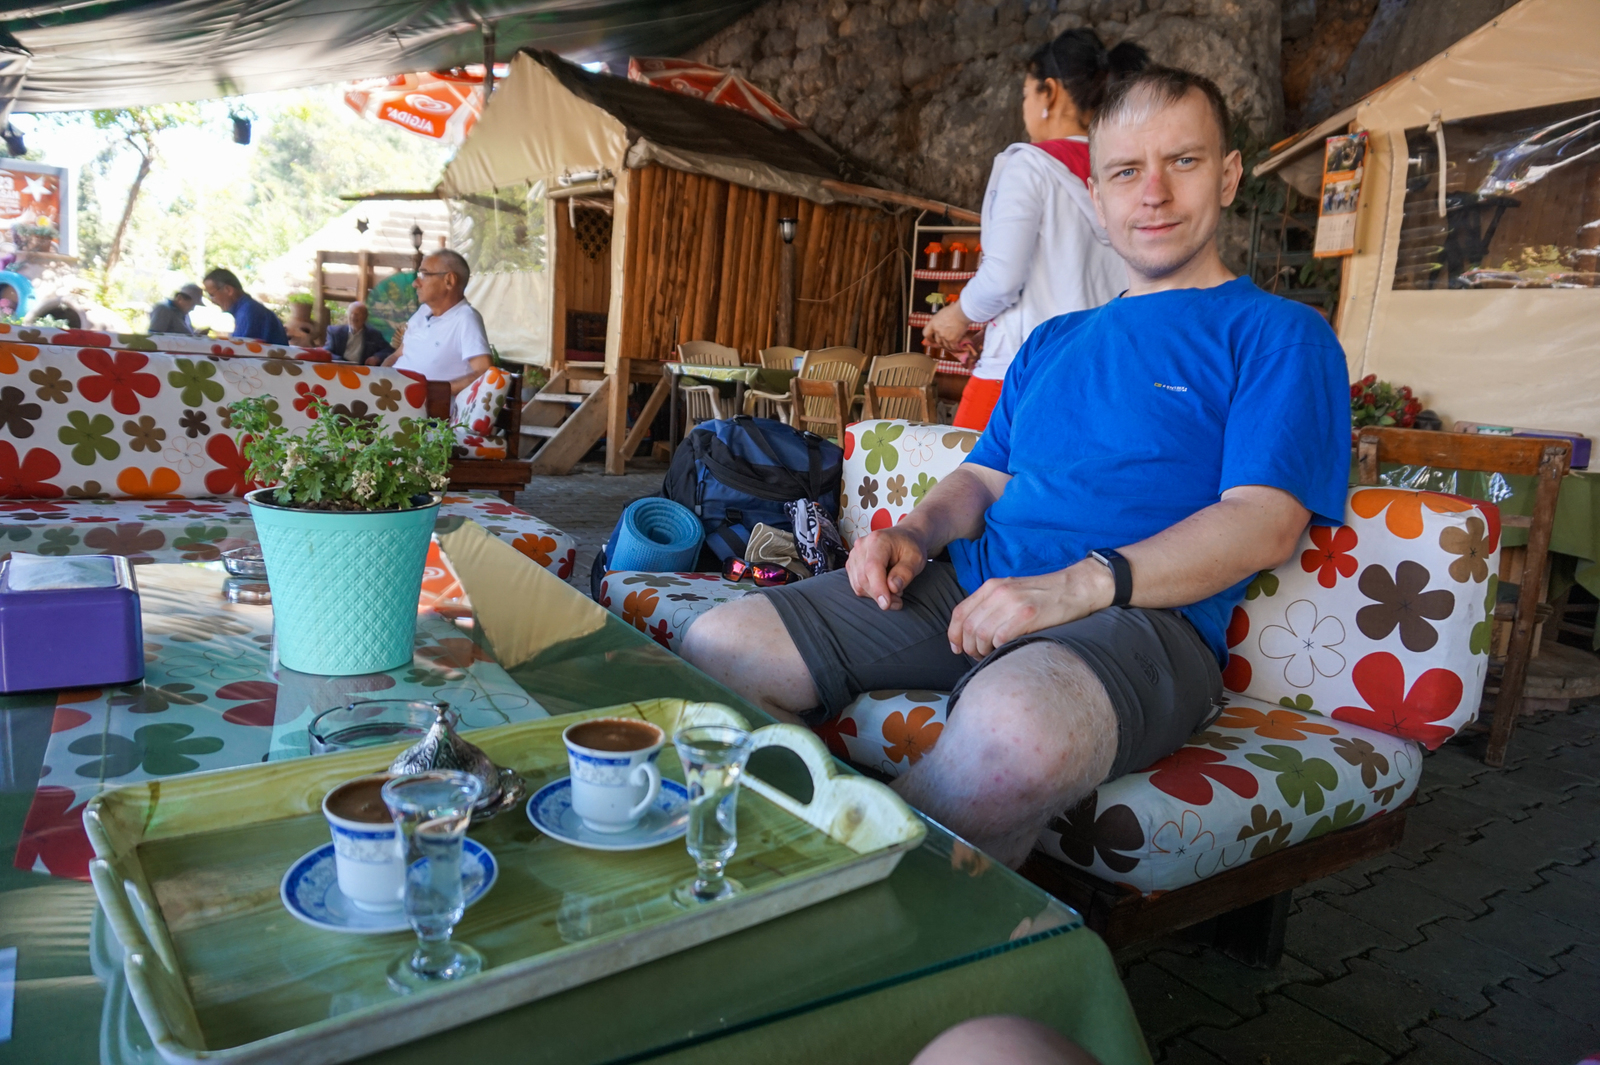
(188, 869)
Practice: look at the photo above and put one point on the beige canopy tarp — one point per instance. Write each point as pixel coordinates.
(1517, 356)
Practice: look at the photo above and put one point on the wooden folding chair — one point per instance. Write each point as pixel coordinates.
(1546, 460)
(822, 404)
(772, 404)
(901, 386)
(703, 402)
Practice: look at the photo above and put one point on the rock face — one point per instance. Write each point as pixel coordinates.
(926, 92)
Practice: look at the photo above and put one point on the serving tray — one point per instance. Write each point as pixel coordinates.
(187, 870)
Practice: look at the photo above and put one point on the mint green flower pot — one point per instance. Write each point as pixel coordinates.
(344, 584)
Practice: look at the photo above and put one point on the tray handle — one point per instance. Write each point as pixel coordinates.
(862, 814)
(148, 963)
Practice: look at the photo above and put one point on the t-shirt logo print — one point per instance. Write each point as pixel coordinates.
(1172, 388)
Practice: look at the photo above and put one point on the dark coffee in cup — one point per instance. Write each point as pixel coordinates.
(615, 734)
(360, 800)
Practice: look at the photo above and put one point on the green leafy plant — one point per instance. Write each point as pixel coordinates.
(1375, 402)
(339, 462)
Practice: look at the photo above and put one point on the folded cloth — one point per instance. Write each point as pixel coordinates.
(769, 546)
(816, 537)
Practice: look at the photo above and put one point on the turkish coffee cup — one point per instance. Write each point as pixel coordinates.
(367, 856)
(615, 778)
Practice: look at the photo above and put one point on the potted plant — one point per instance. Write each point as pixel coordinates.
(344, 528)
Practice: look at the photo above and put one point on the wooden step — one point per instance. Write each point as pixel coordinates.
(546, 431)
(573, 398)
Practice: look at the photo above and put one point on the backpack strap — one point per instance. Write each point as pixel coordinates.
(814, 453)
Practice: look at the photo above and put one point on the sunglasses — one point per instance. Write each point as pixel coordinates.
(737, 569)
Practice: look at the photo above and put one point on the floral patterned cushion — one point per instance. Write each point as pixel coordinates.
(1257, 779)
(1382, 622)
(198, 530)
(664, 605)
(890, 465)
(475, 413)
(224, 347)
(83, 423)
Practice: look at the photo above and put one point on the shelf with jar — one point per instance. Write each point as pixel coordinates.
(946, 258)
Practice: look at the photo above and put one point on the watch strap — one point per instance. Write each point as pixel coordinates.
(1121, 574)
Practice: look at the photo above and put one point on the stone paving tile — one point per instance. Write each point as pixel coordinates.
(1446, 768)
(1570, 727)
(1511, 791)
(1522, 1031)
(1380, 1004)
(1397, 907)
(1238, 987)
(1289, 1034)
(1549, 835)
(1443, 818)
(1360, 875)
(1183, 1052)
(587, 504)
(1451, 875)
(1561, 775)
(1436, 1048)
(1168, 1006)
(1574, 992)
(1532, 937)
(1323, 936)
(1458, 970)
(1566, 898)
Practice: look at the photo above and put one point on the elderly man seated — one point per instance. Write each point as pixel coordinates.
(356, 341)
(445, 339)
(1145, 459)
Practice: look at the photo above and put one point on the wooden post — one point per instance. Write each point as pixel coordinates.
(317, 297)
(363, 276)
(783, 330)
(617, 416)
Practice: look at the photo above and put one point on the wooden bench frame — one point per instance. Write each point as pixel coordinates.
(507, 476)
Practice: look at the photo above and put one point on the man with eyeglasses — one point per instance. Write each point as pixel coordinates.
(445, 339)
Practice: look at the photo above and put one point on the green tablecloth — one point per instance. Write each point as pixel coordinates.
(750, 376)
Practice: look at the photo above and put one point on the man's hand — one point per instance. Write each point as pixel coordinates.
(882, 563)
(948, 329)
(1009, 607)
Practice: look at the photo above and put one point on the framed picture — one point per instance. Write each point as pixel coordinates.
(1343, 164)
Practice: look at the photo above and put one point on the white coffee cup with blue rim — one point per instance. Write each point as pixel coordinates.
(615, 778)
(367, 855)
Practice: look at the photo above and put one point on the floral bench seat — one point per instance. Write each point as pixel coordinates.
(1368, 645)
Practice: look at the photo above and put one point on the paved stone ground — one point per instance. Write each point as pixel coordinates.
(1476, 941)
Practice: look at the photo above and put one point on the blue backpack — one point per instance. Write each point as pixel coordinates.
(739, 472)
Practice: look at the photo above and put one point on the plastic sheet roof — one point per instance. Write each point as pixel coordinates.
(120, 53)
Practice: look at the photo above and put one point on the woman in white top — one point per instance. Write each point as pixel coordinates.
(1044, 252)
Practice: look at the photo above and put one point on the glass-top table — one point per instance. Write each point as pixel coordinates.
(871, 975)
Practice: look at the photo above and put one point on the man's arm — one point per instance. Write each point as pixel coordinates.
(882, 563)
(480, 366)
(1252, 528)
(394, 356)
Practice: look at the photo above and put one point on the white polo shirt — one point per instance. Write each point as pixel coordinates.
(441, 347)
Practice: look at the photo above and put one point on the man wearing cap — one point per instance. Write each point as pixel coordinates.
(172, 316)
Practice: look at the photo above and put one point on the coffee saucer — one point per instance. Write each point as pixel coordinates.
(551, 812)
(310, 891)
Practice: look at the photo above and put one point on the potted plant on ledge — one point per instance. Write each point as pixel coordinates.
(344, 530)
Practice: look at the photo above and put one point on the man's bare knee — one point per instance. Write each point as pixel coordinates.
(1008, 1040)
(745, 645)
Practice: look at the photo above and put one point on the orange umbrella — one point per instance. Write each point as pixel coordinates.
(713, 85)
(442, 105)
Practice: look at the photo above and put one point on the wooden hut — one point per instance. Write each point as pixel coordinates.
(658, 215)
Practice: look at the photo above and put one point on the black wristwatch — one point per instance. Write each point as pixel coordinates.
(1121, 574)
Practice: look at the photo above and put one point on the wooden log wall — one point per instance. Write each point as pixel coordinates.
(702, 264)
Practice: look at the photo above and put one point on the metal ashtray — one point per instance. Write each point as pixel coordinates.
(246, 591)
(369, 723)
(245, 562)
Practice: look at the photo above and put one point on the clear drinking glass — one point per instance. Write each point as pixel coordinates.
(433, 810)
(713, 758)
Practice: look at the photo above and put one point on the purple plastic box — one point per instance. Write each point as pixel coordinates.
(77, 629)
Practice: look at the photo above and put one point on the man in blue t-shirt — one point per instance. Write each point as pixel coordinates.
(250, 319)
(1145, 459)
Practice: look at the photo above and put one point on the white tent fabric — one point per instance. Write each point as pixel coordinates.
(1528, 357)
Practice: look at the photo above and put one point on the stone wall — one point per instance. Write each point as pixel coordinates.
(926, 92)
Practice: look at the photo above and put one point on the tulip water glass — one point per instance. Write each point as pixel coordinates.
(713, 758)
(433, 810)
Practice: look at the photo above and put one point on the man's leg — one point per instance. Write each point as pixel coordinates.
(744, 645)
(1033, 732)
(1003, 1041)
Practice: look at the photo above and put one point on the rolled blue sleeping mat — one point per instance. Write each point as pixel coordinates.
(657, 536)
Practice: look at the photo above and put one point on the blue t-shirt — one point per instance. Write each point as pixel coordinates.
(252, 320)
(1118, 422)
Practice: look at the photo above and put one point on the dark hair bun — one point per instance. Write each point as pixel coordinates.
(1080, 63)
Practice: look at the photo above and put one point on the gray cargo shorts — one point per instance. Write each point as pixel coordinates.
(1163, 680)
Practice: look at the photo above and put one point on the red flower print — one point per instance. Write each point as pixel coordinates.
(568, 561)
(849, 449)
(117, 376)
(187, 506)
(1381, 681)
(416, 394)
(81, 338)
(258, 702)
(307, 398)
(1330, 558)
(881, 520)
(233, 478)
(833, 733)
(1491, 515)
(454, 652)
(505, 510)
(1236, 674)
(53, 834)
(67, 718)
(27, 479)
(1183, 775)
(661, 634)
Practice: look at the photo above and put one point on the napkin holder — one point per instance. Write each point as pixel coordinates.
(69, 623)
